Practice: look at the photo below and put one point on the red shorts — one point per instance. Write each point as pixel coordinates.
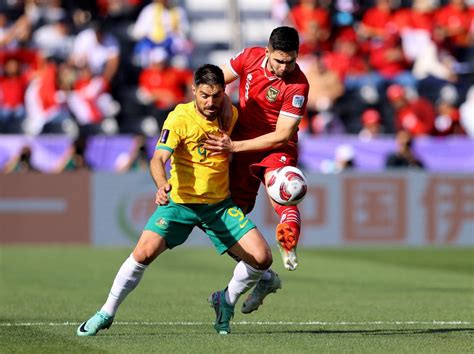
(247, 170)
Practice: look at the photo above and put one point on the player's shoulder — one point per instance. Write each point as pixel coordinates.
(253, 53)
(180, 113)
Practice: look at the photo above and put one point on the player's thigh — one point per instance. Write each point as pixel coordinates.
(173, 222)
(225, 224)
(253, 249)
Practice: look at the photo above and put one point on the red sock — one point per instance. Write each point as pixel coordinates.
(290, 215)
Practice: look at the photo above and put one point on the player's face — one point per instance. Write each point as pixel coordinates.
(209, 100)
(281, 63)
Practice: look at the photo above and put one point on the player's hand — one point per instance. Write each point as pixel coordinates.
(225, 118)
(218, 144)
(161, 197)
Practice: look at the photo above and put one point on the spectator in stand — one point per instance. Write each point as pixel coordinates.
(447, 119)
(96, 55)
(466, 111)
(98, 49)
(344, 160)
(416, 116)
(74, 158)
(45, 103)
(91, 104)
(54, 39)
(40, 12)
(313, 24)
(389, 60)
(161, 86)
(404, 156)
(371, 125)
(350, 64)
(21, 163)
(325, 87)
(13, 84)
(378, 22)
(415, 25)
(454, 28)
(434, 67)
(11, 34)
(163, 25)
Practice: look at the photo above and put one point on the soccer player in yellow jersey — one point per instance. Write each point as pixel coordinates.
(196, 194)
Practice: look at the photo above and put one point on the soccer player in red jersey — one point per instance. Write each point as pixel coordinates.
(273, 95)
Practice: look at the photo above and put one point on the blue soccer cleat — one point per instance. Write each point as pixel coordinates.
(101, 320)
(224, 312)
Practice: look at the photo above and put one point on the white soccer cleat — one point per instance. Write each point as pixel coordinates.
(290, 260)
(261, 290)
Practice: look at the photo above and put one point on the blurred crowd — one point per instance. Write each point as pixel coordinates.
(386, 65)
(91, 67)
(119, 66)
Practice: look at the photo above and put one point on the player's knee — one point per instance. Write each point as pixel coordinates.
(144, 255)
(263, 259)
(147, 249)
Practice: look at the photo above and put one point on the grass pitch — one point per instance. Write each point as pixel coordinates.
(338, 301)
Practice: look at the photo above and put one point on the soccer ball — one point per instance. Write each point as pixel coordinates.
(287, 185)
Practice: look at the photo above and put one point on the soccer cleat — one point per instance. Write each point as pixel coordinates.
(287, 245)
(261, 290)
(224, 312)
(101, 320)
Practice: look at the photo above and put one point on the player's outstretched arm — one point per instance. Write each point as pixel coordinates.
(285, 129)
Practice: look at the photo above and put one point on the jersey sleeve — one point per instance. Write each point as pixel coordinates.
(237, 62)
(171, 134)
(295, 101)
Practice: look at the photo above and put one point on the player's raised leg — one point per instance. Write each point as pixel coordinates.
(288, 229)
(149, 246)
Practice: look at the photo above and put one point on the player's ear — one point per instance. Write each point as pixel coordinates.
(194, 89)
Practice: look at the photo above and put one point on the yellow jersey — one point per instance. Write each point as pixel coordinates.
(195, 177)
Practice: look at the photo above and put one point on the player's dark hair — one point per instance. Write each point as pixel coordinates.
(209, 74)
(285, 39)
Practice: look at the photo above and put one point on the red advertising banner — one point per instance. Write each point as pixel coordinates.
(45, 208)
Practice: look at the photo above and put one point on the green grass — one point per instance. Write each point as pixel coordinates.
(366, 300)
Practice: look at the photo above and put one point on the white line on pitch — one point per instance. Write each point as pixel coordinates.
(256, 323)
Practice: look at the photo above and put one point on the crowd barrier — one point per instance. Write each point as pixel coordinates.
(107, 153)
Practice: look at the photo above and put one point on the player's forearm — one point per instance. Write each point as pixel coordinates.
(268, 141)
(158, 172)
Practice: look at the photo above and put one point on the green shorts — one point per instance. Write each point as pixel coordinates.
(223, 222)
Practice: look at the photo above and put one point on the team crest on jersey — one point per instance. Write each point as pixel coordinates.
(272, 94)
(298, 101)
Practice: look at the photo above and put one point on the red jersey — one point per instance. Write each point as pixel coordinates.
(171, 80)
(12, 91)
(263, 96)
(417, 117)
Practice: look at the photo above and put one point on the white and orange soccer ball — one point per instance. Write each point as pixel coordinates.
(287, 185)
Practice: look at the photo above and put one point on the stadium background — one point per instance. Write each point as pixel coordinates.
(386, 257)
